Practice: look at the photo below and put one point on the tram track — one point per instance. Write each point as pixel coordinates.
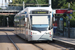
(46, 46)
(67, 45)
(25, 43)
(12, 41)
(5, 43)
(30, 43)
(42, 46)
(19, 42)
(38, 47)
(34, 43)
(49, 44)
(62, 45)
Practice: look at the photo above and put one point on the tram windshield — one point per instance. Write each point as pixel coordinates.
(40, 23)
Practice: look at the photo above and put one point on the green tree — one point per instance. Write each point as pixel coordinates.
(56, 4)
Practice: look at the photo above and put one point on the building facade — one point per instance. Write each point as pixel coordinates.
(4, 3)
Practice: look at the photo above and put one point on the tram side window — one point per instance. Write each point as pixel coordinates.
(22, 22)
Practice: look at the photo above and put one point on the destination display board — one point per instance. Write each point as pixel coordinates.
(39, 12)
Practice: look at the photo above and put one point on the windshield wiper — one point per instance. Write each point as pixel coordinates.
(36, 28)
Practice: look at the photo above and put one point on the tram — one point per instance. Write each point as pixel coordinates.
(35, 24)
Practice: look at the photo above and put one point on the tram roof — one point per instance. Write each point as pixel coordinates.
(32, 8)
(22, 13)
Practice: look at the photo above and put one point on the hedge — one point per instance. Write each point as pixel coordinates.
(72, 23)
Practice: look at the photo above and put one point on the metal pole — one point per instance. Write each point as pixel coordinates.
(49, 3)
(23, 5)
(4, 20)
(68, 22)
(68, 25)
(69, 28)
(7, 22)
(68, 5)
(63, 27)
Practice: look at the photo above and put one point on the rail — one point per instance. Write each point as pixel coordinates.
(12, 41)
(67, 45)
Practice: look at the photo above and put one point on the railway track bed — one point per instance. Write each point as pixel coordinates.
(24, 45)
(5, 43)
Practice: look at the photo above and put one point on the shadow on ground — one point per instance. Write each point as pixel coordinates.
(6, 29)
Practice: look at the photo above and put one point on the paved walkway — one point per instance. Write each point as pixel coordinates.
(6, 28)
(63, 39)
(66, 40)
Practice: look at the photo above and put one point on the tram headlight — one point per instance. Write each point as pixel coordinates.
(47, 32)
(34, 33)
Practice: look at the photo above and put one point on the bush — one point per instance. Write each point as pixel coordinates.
(72, 23)
(64, 24)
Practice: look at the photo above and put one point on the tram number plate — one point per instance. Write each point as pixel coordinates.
(39, 12)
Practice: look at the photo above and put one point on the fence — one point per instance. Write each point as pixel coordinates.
(13, 8)
(72, 32)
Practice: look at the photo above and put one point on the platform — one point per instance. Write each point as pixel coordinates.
(65, 40)
(6, 28)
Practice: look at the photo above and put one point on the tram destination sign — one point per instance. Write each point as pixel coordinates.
(39, 12)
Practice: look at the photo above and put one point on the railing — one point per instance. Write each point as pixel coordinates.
(9, 11)
(72, 32)
(27, 4)
(13, 8)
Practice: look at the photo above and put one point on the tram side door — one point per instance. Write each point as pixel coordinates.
(27, 28)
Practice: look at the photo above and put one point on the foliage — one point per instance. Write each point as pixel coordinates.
(63, 4)
(72, 23)
(30, 1)
(0, 8)
(56, 4)
(65, 24)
